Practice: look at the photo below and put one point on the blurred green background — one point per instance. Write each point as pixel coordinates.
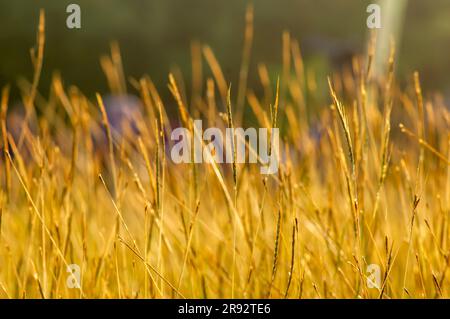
(156, 35)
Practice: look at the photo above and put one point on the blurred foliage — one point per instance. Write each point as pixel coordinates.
(156, 35)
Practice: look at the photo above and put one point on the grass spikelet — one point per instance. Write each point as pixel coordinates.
(344, 122)
(181, 107)
(243, 73)
(233, 150)
(275, 252)
(4, 110)
(107, 128)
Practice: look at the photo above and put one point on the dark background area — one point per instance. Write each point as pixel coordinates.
(154, 36)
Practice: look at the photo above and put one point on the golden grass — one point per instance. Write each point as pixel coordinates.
(365, 180)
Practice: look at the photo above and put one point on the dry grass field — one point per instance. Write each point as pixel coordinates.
(364, 179)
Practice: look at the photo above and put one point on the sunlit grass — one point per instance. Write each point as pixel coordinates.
(364, 180)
